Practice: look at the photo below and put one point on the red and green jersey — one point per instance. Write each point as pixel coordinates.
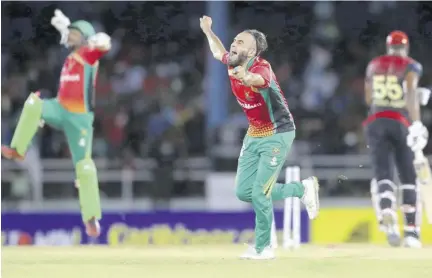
(265, 107)
(76, 91)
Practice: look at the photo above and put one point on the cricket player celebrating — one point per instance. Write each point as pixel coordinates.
(70, 112)
(394, 128)
(269, 137)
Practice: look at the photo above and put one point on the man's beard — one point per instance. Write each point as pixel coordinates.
(241, 58)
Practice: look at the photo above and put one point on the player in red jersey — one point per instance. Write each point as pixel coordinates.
(71, 111)
(393, 127)
(269, 137)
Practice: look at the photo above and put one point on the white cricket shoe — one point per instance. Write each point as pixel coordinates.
(390, 227)
(252, 254)
(310, 197)
(412, 242)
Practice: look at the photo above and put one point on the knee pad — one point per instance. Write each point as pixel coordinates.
(88, 189)
(28, 124)
(386, 186)
(34, 104)
(385, 192)
(374, 188)
(86, 165)
(375, 198)
(86, 172)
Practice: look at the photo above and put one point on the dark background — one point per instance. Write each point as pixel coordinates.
(156, 70)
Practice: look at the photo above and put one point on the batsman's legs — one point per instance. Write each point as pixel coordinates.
(79, 133)
(411, 203)
(382, 187)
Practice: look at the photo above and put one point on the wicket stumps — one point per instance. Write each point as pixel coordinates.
(291, 215)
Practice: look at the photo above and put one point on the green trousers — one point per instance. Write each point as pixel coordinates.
(78, 128)
(260, 162)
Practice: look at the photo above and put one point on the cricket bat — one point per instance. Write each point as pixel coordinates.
(424, 177)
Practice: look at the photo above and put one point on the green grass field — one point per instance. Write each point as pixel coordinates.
(350, 261)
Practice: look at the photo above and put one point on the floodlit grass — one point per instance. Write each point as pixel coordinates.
(350, 261)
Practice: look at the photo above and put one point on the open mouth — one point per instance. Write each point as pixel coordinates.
(233, 53)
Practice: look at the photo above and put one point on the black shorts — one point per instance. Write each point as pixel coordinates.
(387, 143)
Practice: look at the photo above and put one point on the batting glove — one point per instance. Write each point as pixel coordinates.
(417, 136)
(100, 41)
(61, 23)
(424, 95)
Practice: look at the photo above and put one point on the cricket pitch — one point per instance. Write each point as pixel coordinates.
(207, 261)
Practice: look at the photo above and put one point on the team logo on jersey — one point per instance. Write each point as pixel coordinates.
(70, 78)
(83, 132)
(276, 151)
(249, 106)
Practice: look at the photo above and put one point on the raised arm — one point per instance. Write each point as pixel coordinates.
(216, 46)
(61, 23)
(98, 45)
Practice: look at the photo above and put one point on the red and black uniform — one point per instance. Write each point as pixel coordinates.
(388, 120)
(386, 129)
(387, 74)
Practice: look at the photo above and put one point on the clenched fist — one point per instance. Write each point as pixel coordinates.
(205, 23)
(239, 72)
(100, 40)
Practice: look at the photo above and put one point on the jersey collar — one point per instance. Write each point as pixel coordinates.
(250, 63)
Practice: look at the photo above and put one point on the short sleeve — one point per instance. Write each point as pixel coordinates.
(225, 58)
(415, 67)
(265, 72)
